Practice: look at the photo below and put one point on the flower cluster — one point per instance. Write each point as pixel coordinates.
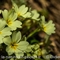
(15, 31)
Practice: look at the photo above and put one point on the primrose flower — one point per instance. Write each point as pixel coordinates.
(3, 31)
(21, 11)
(15, 45)
(10, 20)
(35, 15)
(48, 27)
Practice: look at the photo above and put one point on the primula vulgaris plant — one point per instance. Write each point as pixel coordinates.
(18, 28)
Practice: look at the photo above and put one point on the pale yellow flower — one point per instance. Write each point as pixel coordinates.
(21, 11)
(10, 20)
(48, 27)
(15, 45)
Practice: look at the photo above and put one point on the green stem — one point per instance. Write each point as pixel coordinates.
(47, 38)
(32, 33)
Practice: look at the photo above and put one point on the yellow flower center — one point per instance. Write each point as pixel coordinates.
(0, 32)
(14, 45)
(44, 28)
(18, 14)
(9, 22)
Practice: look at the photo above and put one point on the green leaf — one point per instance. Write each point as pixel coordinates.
(34, 41)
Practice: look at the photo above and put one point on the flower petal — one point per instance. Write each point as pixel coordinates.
(16, 36)
(6, 32)
(27, 15)
(9, 50)
(19, 55)
(35, 15)
(7, 40)
(13, 17)
(18, 24)
(15, 25)
(2, 24)
(43, 19)
(23, 9)
(5, 14)
(1, 41)
(23, 45)
(15, 7)
(13, 35)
